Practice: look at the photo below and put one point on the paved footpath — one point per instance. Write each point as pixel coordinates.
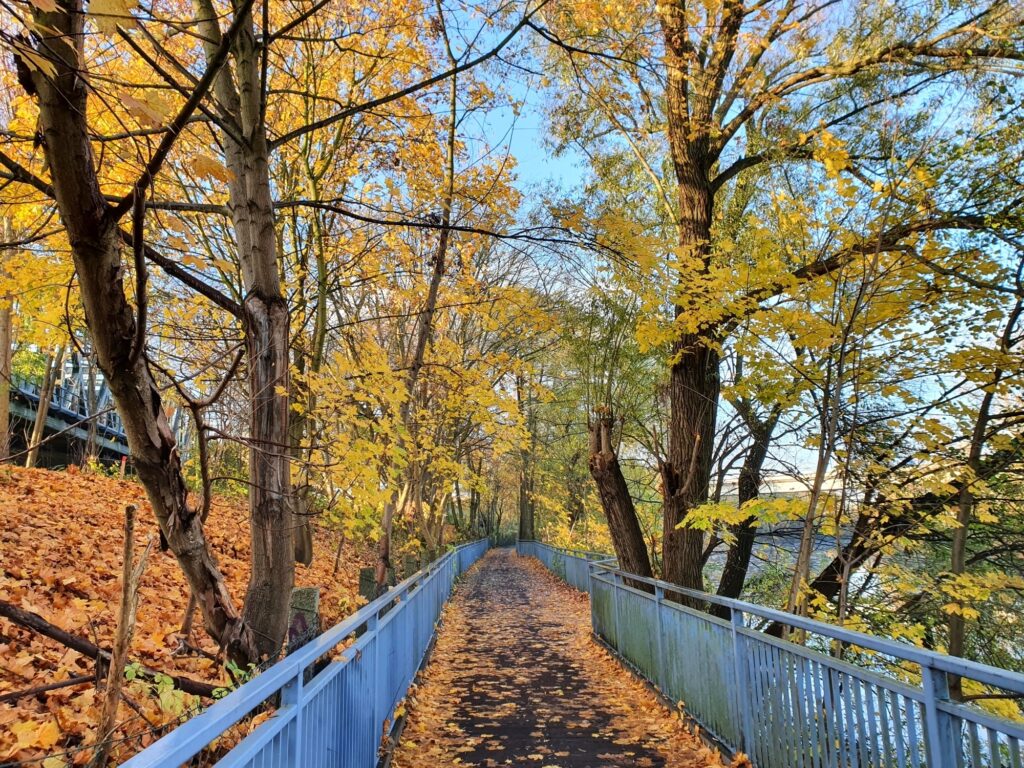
(517, 680)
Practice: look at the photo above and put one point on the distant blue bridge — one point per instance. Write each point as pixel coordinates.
(784, 704)
(80, 409)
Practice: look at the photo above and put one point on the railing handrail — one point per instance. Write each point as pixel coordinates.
(601, 556)
(984, 673)
(785, 703)
(190, 738)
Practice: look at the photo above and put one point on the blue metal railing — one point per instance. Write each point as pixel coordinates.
(571, 565)
(788, 705)
(334, 717)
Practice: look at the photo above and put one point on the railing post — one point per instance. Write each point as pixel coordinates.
(291, 696)
(743, 688)
(659, 597)
(590, 591)
(942, 743)
(376, 695)
(616, 580)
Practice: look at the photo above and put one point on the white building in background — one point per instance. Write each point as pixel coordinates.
(779, 543)
(779, 486)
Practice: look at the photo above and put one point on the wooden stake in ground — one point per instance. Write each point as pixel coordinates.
(130, 577)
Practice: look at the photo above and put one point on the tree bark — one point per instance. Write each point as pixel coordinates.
(525, 498)
(737, 559)
(577, 492)
(6, 354)
(474, 505)
(37, 623)
(694, 389)
(493, 515)
(10, 698)
(91, 450)
(272, 523)
(627, 536)
(526, 519)
(265, 323)
(694, 383)
(966, 497)
(95, 247)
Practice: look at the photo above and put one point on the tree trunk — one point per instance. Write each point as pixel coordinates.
(265, 324)
(6, 348)
(272, 523)
(737, 560)
(525, 519)
(457, 511)
(383, 564)
(525, 500)
(694, 388)
(627, 536)
(577, 492)
(493, 520)
(91, 408)
(474, 510)
(966, 498)
(694, 383)
(93, 233)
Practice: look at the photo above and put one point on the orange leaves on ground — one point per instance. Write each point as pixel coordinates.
(517, 679)
(60, 550)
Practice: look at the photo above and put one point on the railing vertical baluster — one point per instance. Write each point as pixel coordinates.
(291, 696)
(662, 664)
(942, 746)
(376, 694)
(741, 690)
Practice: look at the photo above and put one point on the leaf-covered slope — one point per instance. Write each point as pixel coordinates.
(60, 550)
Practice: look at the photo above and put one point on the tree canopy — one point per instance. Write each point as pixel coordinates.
(764, 340)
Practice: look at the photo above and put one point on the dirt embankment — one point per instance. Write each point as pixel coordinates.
(60, 551)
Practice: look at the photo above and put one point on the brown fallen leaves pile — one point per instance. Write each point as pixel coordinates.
(517, 679)
(60, 551)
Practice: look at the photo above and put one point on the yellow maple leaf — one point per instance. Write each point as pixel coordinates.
(31, 58)
(47, 735)
(110, 14)
(150, 111)
(204, 165)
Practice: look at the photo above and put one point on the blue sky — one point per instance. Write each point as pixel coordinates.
(525, 137)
